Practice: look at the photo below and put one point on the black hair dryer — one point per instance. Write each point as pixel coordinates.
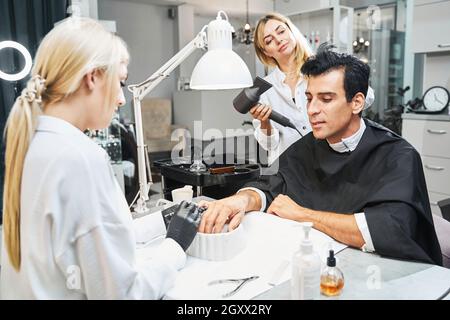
(249, 97)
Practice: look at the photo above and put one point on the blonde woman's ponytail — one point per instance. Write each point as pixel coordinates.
(19, 131)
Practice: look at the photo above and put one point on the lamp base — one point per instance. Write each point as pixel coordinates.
(151, 207)
(182, 160)
(197, 166)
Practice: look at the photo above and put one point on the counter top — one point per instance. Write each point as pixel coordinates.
(429, 117)
(371, 277)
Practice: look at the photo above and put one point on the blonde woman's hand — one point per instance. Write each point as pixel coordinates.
(262, 113)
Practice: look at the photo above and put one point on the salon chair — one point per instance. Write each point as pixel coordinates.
(444, 205)
(442, 226)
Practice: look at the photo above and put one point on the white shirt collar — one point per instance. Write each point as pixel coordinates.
(57, 125)
(280, 76)
(350, 143)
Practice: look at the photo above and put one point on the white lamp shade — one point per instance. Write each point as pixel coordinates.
(220, 69)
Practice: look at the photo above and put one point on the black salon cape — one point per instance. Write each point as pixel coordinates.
(383, 177)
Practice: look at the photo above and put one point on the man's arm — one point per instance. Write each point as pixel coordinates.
(253, 200)
(342, 227)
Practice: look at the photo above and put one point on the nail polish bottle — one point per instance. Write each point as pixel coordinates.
(332, 278)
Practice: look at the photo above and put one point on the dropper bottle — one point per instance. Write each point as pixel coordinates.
(332, 278)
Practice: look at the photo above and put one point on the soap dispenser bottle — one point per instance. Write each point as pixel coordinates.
(332, 278)
(305, 281)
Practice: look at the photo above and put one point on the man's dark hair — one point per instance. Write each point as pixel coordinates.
(356, 72)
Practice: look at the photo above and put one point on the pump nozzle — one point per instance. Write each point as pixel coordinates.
(306, 245)
(306, 229)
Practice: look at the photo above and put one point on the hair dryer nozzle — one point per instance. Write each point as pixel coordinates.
(249, 97)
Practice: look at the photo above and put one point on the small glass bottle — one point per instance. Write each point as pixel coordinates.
(332, 278)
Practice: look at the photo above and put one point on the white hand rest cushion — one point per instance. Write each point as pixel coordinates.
(218, 246)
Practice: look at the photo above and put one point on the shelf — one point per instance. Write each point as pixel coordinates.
(328, 21)
(313, 13)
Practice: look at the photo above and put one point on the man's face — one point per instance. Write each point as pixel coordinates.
(329, 112)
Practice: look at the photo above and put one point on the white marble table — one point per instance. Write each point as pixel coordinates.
(369, 276)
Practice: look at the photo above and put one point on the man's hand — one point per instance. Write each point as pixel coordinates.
(286, 208)
(230, 210)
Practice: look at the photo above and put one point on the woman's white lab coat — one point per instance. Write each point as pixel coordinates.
(279, 97)
(77, 239)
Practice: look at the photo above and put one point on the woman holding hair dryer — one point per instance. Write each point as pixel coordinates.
(280, 45)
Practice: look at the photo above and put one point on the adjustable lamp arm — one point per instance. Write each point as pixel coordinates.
(139, 92)
(142, 89)
(231, 73)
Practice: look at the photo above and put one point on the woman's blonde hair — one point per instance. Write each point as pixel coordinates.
(68, 52)
(302, 50)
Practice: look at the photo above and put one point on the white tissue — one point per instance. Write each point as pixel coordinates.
(149, 228)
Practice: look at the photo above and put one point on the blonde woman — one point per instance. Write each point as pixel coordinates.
(280, 45)
(67, 227)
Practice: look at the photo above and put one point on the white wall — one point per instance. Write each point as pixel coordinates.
(152, 38)
(436, 70)
(185, 30)
(150, 35)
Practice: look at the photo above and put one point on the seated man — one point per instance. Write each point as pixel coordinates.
(353, 179)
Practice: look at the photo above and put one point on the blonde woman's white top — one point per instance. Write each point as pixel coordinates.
(280, 98)
(77, 239)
